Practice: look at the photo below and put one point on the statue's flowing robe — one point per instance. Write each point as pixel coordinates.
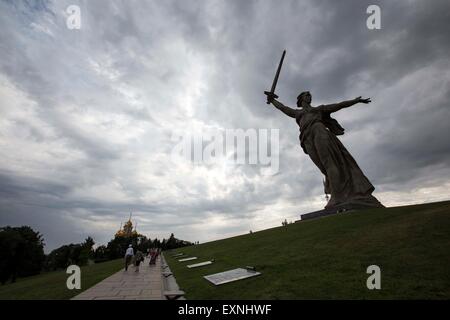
(344, 180)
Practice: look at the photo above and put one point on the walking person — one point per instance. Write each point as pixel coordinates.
(153, 255)
(149, 256)
(138, 259)
(128, 256)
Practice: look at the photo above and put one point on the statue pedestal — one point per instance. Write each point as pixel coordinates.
(357, 204)
(317, 214)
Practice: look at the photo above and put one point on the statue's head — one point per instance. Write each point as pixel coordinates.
(304, 96)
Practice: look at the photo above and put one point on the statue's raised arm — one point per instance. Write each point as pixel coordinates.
(329, 108)
(290, 112)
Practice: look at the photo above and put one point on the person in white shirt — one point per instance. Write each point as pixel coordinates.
(128, 256)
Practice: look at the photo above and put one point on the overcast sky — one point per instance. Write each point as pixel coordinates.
(87, 115)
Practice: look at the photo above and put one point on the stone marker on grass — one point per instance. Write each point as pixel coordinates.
(200, 264)
(187, 259)
(231, 275)
(177, 255)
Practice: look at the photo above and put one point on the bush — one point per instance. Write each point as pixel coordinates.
(21, 252)
(67, 255)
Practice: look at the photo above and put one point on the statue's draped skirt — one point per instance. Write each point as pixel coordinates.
(344, 180)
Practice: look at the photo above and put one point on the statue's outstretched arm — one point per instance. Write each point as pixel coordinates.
(344, 104)
(286, 110)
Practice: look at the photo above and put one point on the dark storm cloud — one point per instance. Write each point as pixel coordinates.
(95, 108)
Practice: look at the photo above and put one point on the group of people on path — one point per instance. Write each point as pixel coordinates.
(136, 259)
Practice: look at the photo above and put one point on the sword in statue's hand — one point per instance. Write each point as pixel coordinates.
(271, 94)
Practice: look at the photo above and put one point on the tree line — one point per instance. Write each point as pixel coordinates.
(22, 251)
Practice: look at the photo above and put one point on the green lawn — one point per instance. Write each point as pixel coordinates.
(327, 258)
(52, 285)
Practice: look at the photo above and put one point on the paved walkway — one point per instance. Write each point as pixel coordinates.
(129, 285)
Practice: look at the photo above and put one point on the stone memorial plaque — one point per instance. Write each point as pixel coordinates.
(200, 264)
(177, 255)
(231, 275)
(187, 259)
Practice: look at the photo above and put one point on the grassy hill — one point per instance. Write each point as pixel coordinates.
(52, 285)
(327, 258)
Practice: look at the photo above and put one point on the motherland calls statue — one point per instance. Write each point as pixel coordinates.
(344, 181)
